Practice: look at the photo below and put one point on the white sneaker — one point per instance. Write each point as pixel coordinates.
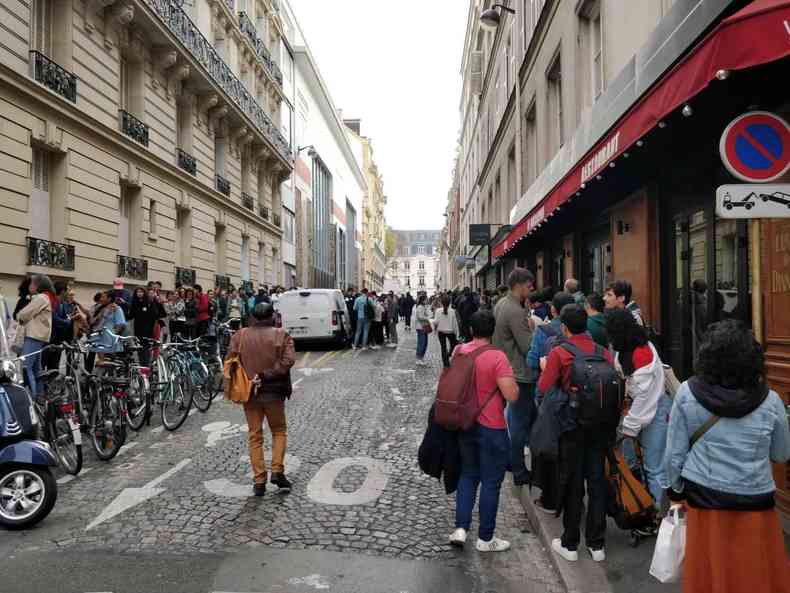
(569, 555)
(458, 537)
(494, 545)
(597, 555)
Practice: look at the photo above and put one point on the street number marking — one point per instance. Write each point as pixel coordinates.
(321, 487)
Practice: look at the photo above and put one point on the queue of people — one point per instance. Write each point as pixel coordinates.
(708, 445)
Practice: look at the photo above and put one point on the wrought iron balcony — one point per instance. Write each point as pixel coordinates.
(222, 184)
(185, 276)
(222, 282)
(261, 51)
(264, 212)
(180, 25)
(132, 267)
(247, 201)
(186, 161)
(276, 219)
(53, 76)
(49, 254)
(133, 127)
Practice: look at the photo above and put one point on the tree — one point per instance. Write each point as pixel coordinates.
(391, 242)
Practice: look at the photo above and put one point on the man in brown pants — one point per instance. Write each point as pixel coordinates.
(267, 354)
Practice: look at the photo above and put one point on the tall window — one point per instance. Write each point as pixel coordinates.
(41, 26)
(220, 151)
(322, 225)
(261, 262)
(529, 156)
(184, 237)
(40, 204)
(184, 126)
(245, 258)
(422, 265)
(512, 192)
(591, 58)
(219, 248)
(554, 86)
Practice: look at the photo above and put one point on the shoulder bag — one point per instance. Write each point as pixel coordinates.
(237, 383)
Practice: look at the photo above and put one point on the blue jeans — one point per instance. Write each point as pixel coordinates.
(484, 454)
(520, 416)
(653, 440)
(363, 329)
(32, 364)
(422, 344)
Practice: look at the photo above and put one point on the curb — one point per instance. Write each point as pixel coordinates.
(583, 576)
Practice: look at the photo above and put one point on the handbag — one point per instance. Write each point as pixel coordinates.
(667, 563)
(427, 328)
(237, 384)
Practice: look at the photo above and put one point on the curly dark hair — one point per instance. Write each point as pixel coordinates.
(625, 335)
(730, 356)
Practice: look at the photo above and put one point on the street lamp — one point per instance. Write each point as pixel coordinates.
(311, 152)
(490, 19)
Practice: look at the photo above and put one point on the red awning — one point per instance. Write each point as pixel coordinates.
(757, 34)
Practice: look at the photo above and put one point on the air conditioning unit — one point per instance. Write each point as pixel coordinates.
(476, 68)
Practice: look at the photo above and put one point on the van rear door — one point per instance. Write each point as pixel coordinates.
(307, 314)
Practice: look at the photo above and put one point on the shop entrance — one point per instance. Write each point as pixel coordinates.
(597, 260)
(706, 279)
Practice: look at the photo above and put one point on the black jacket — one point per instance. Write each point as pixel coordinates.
(145, 314)
(439, 455)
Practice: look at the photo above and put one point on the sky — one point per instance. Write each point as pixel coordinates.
(395, 65)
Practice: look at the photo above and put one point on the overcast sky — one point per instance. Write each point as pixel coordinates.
(394, 64)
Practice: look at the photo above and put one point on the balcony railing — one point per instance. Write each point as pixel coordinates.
(133, 127)
(49, 254)
(190, 36)
(247, 201)
(222, 282)
(276, 219)
(53, 76)
(187, 162)
(264, 212)
(222, 184)
(261, 51)
(132, 267)
(185, 276)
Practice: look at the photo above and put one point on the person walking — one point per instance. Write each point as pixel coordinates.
(267, 354)
(406, 307)
(648, 415)
(36, 319)
(363, 310)
(446, 329)
(392, 319)
(725, 428)
(467, 306)
(513, 335)
(582, 450)
(485, 447)
(422, 322)
(377, 333)
(352, 318)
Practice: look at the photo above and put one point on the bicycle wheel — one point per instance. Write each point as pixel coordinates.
(201, 385)
(137, 401)
(176, 398)
(108, 427)
(66, 440)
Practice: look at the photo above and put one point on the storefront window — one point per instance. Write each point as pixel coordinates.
(733, 300)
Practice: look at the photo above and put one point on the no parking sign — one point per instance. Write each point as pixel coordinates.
(755, 147)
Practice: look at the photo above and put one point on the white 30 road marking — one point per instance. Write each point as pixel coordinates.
(321, 487)
(131, 497)
(228, 489)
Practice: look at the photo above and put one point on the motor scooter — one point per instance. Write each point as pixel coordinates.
(28, 490)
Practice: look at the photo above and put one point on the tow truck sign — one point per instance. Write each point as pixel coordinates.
(753, 201)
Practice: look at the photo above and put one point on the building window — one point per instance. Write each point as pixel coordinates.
(288, 226)
(591, 82)
(219, 248)
(41, 26)
(261, 262)
(529, 157)
(554, 86)
(184, 126)
(40, 204)
(220, 152)
(407, 266)
(152, 228)
(422, 281)
(420, 249)
(184, 238)
(422, 265)
(245, 258)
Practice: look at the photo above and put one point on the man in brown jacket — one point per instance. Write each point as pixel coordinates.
(267, 354)
(513, 334)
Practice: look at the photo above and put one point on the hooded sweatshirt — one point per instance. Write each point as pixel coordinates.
(645, 386)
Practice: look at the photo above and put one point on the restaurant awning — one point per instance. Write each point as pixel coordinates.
(757, 34)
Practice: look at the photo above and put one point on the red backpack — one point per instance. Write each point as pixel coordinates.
(456, 406)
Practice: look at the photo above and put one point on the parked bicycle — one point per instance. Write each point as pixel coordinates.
(168, 387)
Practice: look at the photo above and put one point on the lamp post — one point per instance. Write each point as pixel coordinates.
(490, 18)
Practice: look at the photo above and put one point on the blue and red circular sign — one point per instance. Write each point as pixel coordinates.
(755, 147)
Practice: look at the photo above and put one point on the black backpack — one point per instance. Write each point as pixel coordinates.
(597, 390)
(370, 312)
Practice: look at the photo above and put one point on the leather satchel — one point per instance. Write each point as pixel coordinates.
(237, 384)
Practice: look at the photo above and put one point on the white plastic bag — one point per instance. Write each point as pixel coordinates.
(667, 564)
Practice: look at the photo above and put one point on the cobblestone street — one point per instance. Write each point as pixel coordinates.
(173, 511)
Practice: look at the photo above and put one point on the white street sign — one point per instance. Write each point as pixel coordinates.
(753, 200)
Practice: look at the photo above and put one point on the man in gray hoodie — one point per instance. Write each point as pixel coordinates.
(513, 335)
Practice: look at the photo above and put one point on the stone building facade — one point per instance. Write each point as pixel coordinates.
(142, 140)
(415, 265)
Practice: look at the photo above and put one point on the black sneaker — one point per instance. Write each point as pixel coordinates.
(281, 482)
(259, 489)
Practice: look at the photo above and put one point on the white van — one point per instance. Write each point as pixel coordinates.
(314, 315)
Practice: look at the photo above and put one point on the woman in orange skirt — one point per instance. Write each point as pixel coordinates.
(725, 428)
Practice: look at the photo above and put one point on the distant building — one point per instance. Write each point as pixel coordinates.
(415, 265)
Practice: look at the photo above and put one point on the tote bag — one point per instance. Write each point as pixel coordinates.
(667, 564)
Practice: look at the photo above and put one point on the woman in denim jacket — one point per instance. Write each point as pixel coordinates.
(733, 542)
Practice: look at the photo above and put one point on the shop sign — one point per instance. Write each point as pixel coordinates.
(479, 234)
(536, 218)
(749, 200)
(600, 158)
(755, 147)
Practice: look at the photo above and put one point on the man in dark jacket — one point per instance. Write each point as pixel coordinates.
(406, 306)
(596, 320)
